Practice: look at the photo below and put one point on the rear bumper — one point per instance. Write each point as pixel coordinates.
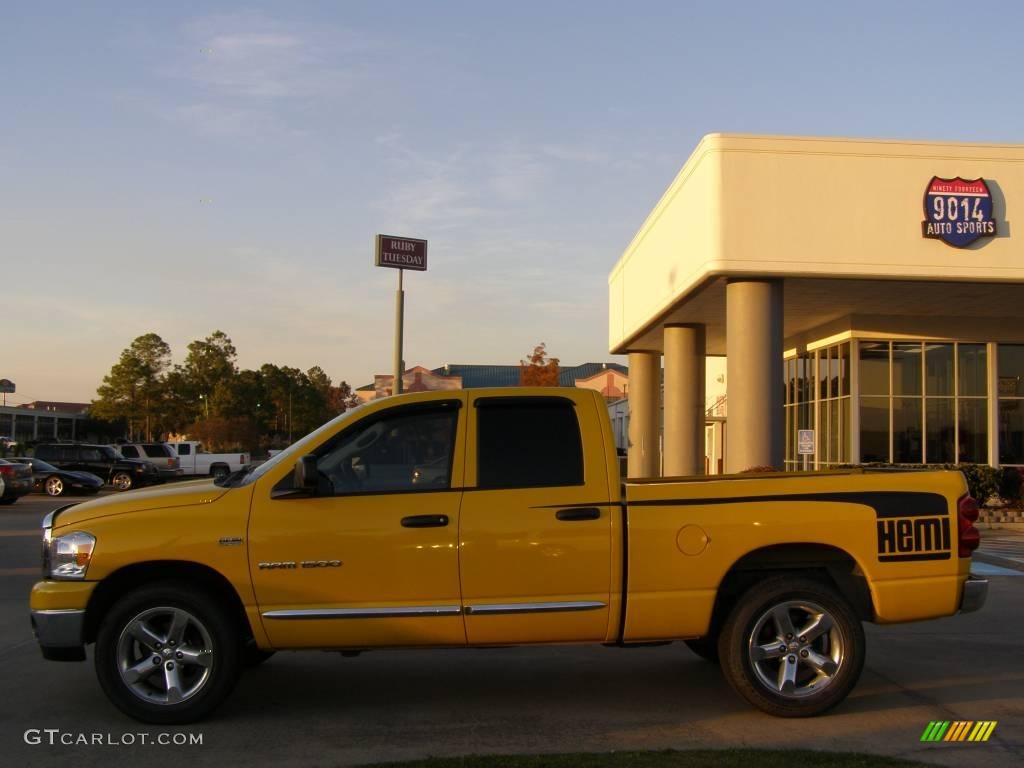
(171, 474)
(14, 489)
(975, 594)
(60, 634)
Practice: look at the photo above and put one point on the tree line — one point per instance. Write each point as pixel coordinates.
(210, 399)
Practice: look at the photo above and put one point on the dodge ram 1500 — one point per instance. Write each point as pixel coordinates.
(496, 517)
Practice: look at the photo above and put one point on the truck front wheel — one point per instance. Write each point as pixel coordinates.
(792, 647)
(166, 654)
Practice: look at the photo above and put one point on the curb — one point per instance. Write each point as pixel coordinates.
(1004, 562)
(997, 526)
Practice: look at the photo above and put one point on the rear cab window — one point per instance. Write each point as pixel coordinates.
(528, 442)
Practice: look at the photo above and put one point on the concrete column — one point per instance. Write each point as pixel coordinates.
(644, 456)
(685, 351)
(753, 326)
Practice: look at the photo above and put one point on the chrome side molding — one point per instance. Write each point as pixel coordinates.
(365, 613)
(400, 612)
(495, 609)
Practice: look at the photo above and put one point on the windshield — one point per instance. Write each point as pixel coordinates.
(40, 465)
(289, 453)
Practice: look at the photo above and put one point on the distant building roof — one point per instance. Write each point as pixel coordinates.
(57, 405)
(475, 376)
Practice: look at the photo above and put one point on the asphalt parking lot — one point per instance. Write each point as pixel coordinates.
(321, 709)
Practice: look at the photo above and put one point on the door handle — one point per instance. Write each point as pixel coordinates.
(578, 513)
(425, 521)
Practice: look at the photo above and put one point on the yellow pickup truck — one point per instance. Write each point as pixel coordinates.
(496, 517)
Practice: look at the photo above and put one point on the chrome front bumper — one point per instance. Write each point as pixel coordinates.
(60, 634)
(975, 593)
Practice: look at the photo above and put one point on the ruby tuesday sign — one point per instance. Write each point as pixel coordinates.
(401, 252)
(958, 211)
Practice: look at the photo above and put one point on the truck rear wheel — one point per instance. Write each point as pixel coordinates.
(166, 654)
(792, 647)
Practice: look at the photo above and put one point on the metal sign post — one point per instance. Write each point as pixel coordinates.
(7, 387)
(396, 387)
(400, 253)
(805, 445)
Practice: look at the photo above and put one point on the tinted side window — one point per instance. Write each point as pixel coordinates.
(90, 454)
(46, 452)
(156, 450)
(184, 450)
(129, 451)
(528, 442)
(407, 451)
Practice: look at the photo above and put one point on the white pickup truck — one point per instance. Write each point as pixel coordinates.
(195, 461)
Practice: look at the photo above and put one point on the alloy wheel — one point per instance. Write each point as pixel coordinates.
(796, 649)
(54, 486)
(165, 655)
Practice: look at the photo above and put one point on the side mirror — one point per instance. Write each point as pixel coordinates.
(306, 474)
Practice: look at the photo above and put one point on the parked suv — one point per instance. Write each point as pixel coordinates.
(101, 460)
(161, 454)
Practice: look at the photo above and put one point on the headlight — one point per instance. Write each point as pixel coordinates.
(67, 557)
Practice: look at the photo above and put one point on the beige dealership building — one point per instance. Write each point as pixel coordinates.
(871, 291)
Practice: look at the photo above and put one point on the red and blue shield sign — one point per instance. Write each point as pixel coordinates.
(958, 211)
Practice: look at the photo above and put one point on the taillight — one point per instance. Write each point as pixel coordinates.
(967, 515)
(7, 470)
(172, 463)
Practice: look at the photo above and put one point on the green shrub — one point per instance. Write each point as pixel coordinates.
(983, 481)
(1009, 484)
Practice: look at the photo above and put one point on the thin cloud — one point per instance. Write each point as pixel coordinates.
(251, 75)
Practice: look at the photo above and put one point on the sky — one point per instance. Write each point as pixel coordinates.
(184, 167)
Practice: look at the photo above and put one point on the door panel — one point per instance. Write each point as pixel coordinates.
(529, 573)
(383, 565)
(375, 552)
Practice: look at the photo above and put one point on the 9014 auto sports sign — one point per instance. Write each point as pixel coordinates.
(958, 211)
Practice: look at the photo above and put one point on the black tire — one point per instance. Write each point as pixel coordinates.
(8, 500)
(815, 675)
(122, 481)
(705, 647)
(212, 635)
(219, 472)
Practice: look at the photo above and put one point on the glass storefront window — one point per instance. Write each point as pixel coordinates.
(940, 430)
(939, 375)
(844, 369)
(1011, 403)
(1011, 431)
(874, 368)
(973, 432)
(874, 429)
(1011, 370)
(906, 369)
(972, 360)
(906, 430)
